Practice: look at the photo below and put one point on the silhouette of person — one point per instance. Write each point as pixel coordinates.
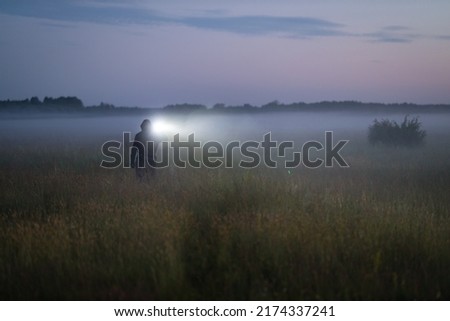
(143, 152)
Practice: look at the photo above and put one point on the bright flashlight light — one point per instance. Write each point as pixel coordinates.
(162, 127)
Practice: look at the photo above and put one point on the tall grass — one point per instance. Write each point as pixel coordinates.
(71, 230)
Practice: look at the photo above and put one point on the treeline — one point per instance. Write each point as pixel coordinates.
(275, 106)
(48, 104)
(330, 106)
(62, 104)
(74, 104)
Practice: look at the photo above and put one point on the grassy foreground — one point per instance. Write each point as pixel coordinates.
(71, 230)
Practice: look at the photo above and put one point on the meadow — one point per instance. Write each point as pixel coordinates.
(70, 230)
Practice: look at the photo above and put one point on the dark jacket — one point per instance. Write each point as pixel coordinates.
(143, 150)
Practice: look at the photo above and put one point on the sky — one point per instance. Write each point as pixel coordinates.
(154, 53)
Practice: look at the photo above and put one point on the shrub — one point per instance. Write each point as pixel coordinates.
(389, 132)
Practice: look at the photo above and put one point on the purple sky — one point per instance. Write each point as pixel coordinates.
(153, 53)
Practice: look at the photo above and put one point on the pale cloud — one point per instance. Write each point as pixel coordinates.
(219, 20)
(393, 34)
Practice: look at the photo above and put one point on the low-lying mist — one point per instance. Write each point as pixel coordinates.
(218, 127)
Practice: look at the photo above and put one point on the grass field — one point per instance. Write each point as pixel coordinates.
(378, 230)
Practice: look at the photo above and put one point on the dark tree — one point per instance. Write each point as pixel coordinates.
(389, 132)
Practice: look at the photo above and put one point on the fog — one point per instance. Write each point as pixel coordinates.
(219, 127)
